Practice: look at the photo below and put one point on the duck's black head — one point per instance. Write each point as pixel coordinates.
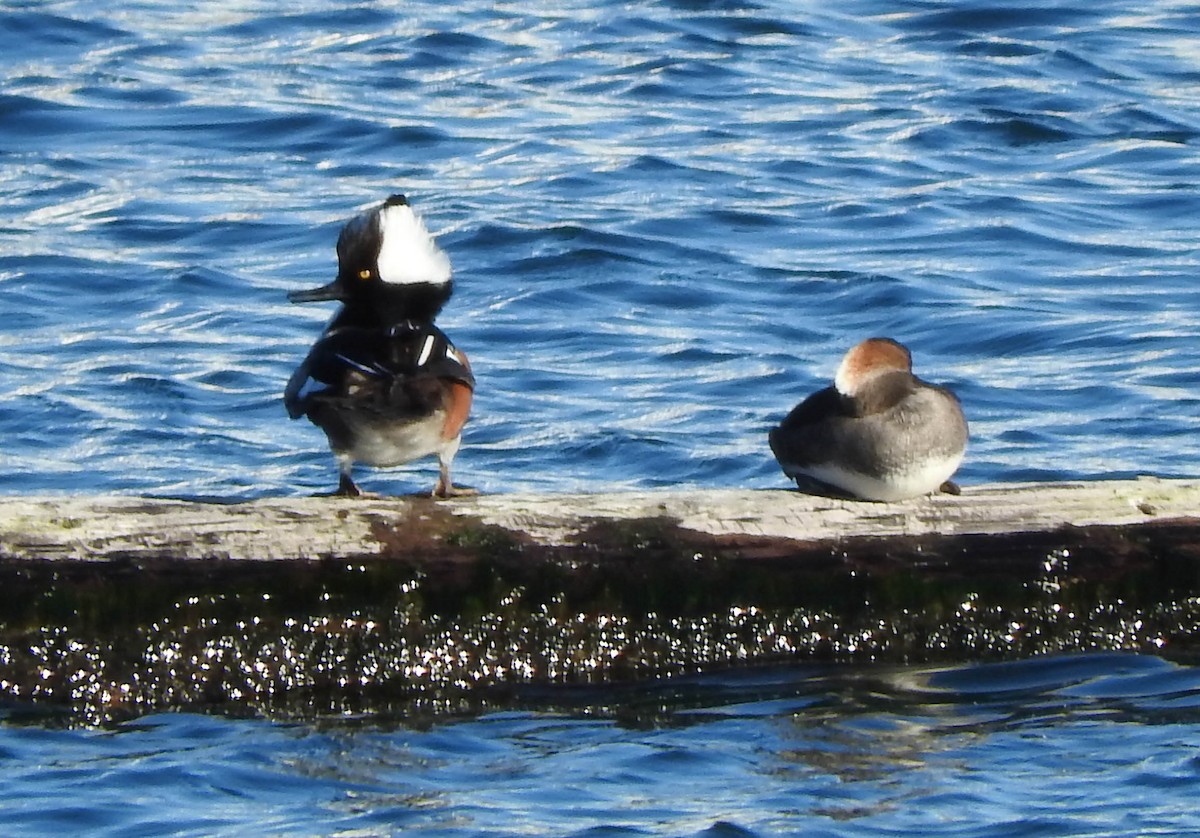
(389, 267)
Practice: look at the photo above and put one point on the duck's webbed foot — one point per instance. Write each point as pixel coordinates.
(445, 488)
(347, 489)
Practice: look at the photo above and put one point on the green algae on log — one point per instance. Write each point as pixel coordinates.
(112, 606)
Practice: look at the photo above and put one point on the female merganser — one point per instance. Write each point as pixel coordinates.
(879, 433)
(385, 384)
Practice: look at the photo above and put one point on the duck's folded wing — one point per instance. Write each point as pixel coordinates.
(338, 354)
(397, 369)
(803, 435)
(298, 390)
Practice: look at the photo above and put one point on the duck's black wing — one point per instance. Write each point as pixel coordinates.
(797, 439)
(397, 370)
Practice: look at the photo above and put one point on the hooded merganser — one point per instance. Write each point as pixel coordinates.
(879, 433)
(385, 384)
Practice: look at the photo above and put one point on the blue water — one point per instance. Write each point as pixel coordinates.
(667, 221)
(1090, 745)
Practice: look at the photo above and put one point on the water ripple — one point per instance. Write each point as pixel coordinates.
(1068, 745)
(665, 218)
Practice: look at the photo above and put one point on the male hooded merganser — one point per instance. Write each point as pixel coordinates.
(879, 433)
(383, 382)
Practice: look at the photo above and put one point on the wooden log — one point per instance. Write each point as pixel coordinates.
(117, 527)
(119, 605)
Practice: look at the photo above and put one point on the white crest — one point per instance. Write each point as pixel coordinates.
(844, 379)
(407, 253)
(848, 379)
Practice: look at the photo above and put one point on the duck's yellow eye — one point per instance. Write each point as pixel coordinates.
(364, 274)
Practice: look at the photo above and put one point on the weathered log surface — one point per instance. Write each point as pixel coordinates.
(102, 528)
(113, 606)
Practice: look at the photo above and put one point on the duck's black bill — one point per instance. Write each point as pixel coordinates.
(332, 291)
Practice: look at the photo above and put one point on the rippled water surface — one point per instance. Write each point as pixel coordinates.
(1089, 745)
(667, 221)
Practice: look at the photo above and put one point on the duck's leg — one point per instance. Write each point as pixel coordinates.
(458, 407)
(445, 488)
(346, 487)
